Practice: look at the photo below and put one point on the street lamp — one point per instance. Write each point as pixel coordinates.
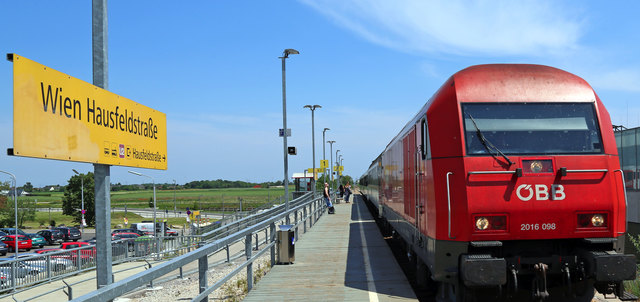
(82, 196)
(331, 161)
(324, 171)
(313, 145)
(287, 52)
(338, 157)
(340, 165)
(174, 198)
(155, 235)
(15, 207)
(337, 167)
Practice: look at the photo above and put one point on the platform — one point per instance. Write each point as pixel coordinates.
(342, 258)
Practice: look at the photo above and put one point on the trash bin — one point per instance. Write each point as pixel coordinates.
(286, 241)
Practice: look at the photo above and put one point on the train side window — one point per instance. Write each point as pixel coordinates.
(425, 145)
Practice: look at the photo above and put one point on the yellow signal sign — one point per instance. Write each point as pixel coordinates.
(341, 168)
(56, 116)
(324, 163)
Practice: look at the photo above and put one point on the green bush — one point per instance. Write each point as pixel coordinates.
(633, 286)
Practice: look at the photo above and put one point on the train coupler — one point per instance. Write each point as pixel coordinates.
(540, 282)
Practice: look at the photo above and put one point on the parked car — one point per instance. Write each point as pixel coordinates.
(37, 240)
(24, 242)
(171, 232)
(72, 245)
(11, 231)
(141, 233)
(38, 260)
(70, 233)
(128, 237)
(22, 269)
(3, 248)
(52, 236)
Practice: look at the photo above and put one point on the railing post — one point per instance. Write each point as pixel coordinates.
(227, 248)
(48, 266)
(203, 265)
(247, 250)
(304, 218)
(257, 242)
(69, 291)
(272, 231)
(295, 222)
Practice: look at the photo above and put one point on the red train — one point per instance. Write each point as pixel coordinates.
(507, 184)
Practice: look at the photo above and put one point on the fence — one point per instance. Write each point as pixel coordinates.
(31, 269)
(309, 210)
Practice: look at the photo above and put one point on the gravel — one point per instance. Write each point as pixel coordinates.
(187, 288)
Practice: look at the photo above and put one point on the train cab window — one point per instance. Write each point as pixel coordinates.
(425, 146)
(531, 128)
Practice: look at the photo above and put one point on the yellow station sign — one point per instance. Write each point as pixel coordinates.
(324, 163)
(56, 116)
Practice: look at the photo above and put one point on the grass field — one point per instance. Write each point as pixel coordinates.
(227, 200)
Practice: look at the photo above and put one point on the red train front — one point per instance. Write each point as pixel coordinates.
(507, 184)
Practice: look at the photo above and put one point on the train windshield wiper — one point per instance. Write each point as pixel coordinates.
(486, 143)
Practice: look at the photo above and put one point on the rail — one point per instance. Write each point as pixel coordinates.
(315, 209)
(16, 277)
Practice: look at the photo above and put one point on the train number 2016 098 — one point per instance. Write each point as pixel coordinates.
(537, 226)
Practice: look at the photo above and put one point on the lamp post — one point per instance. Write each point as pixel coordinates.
(331, 162)
(174, 198)
(82, 197)
(324, 171)
(337, 167)
(340, 165)
(15, 208)
(155, 235)
(338, 157)
(286, 53)
(313, 145)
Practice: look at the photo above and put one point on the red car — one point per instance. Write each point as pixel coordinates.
(24, 242)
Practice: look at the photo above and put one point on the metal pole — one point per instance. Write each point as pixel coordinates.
(82, 206)
(174, 198)
(324, 158)
(155, 234)
(102, 173)
(287, 52)
(313, 146)
(82, 197)
(337, 177)
(331, 161)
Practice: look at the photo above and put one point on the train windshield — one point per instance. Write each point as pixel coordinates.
(531, 128)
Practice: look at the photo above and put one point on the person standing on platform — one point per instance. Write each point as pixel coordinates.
(327, 198)
(347, 192)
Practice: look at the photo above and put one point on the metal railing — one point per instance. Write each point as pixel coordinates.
(306, 211)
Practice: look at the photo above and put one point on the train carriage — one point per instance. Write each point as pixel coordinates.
(507, 183)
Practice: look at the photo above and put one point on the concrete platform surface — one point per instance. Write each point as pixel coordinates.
(342, 258)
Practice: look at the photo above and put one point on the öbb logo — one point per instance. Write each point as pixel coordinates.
(541, 192)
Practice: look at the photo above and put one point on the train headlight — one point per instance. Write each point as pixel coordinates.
(482, 223)
(491, 222)
(597, 220)
(592, 220)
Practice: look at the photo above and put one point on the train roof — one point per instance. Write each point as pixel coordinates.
(510, 83)
(520, 83)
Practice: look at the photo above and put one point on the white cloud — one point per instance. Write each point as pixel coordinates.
(497, 28)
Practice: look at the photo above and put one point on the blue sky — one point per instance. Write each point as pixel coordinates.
(213, 68)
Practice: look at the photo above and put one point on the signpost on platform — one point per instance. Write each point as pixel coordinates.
(60, 117)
